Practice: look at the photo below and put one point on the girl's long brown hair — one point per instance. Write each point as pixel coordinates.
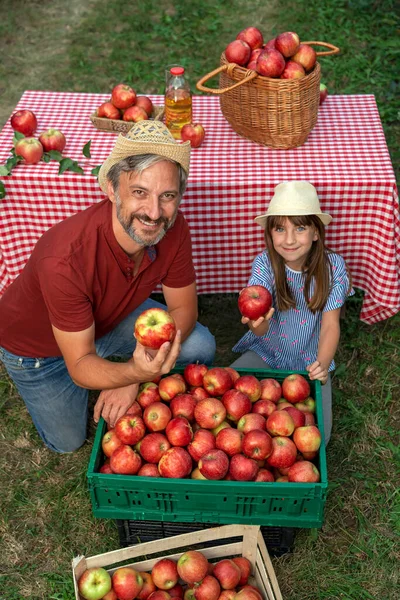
(317, 266)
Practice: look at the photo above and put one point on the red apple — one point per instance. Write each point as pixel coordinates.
(110, 442)
(130, 429)
(228, 573)
(194, 133)
(249, 385)
(176, 462)
(135, 114)
(287, 43)
(280, 423)
(233, 373)
(236, 403)
(304, 472)
(111, 595)
(307, 439)
(242, 468)
(154, 327)
(251, 421)
(176, 591)
(270, 45)
(214, 464)
(203, 441)
(52, 139)
(309, 455)
(238, 52)
(171, 386)
(145, 103)
(192, 566)
(24, 121)
(148, 586)
(125, 461)
(195, 474)
(157, 416)
(229, 440)
(224, 425)
(153, 446)
(217, 381)
(297, 416)
(284, 453)
(253, 58)
(179, 432)
(248, 592)
(309, 418)
(245, 569)
(264, 408)
(134, 409)
(107, 110)
(148, 394)
(257, 444)
(295, 388)
(165, 574)
(305, 56)
(106, 468)
(149, 470)
(198, 393)
(194, 373)
(323, 92)
(264, 475)
(209, 413)
(227, 594)
(254, 302)
(270, 63)
(159, 595)
(252, 36)
(207, 589)
(282, 404)
(30, 149)
(293, 70)
(94, 583)
(127, 583)
(123, 96)
(183, 405)
(271, 389)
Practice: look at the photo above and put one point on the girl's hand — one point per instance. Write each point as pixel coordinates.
(262, 322)
(317, 371)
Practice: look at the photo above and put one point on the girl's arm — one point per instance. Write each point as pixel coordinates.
(327, 346)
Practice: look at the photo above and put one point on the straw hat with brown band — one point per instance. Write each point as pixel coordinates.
(146, 137)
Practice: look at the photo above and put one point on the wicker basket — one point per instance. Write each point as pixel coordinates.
(119, 126)
(279, 113)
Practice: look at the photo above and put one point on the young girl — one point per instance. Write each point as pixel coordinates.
(309, 284)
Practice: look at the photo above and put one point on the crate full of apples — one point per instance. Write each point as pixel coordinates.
(214, 444)
(192, 567)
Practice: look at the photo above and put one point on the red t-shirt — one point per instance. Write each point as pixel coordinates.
(77, 274)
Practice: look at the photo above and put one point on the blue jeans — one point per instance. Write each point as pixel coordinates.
(58, 407)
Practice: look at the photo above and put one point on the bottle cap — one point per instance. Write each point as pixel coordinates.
(177, 71)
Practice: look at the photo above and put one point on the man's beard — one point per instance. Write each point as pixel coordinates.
(128, 225)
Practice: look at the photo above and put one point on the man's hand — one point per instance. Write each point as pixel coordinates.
(317, 371)
(113, 404)
(149, 364)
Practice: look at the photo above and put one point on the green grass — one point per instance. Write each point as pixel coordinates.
(45, 512)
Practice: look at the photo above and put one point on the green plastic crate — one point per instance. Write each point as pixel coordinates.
(223, 502)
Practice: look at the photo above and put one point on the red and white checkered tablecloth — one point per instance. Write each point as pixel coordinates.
(231, 181)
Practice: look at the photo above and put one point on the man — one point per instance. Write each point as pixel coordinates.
(88, 279)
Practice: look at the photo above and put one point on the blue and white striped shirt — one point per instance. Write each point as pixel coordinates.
(292, 339)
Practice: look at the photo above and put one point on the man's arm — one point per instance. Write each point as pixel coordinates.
(182, 305)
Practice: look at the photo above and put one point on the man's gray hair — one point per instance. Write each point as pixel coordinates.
(139, 163)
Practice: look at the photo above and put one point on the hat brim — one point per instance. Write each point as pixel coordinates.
(125, 147)
(262, 219)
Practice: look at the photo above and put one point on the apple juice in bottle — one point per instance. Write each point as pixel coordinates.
(178, 102)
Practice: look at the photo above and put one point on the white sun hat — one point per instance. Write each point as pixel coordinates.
(293, 199)
(146, 137)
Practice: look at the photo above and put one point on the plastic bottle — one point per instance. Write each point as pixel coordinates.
(178, 102)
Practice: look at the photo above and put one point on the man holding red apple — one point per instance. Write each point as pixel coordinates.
(88, 279)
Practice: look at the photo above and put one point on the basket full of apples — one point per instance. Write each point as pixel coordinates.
(123, 109)
(270, 91)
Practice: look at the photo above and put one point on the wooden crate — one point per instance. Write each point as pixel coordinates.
(239, 540)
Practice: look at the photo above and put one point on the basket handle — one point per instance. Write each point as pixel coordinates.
(229, 67)
(333, 49)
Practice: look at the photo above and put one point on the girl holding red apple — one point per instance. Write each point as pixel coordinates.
(309, 285)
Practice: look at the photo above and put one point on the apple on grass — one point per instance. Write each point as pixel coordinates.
(323, 92)
(154, 327)
(254, 302)
(123, 96)
(194, 133)
(192, 566)
(127, 583)
(24, 121)
(107, 110)
(94, 583)
(30, 149)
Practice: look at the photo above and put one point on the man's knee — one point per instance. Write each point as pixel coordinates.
(199, 347)
(66, 444)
